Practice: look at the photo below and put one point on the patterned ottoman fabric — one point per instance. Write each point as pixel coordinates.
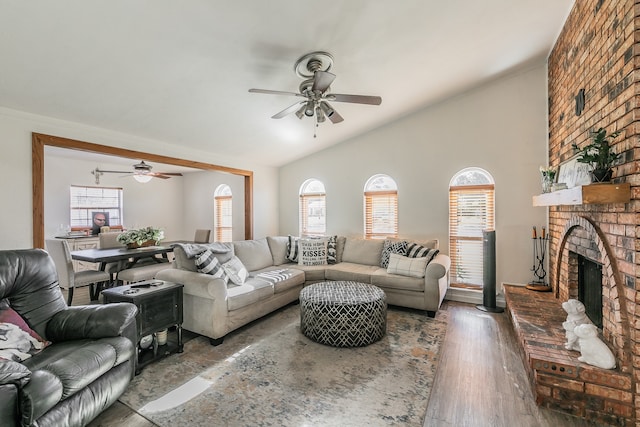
(343, 314)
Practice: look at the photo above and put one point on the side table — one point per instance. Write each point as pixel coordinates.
(159, 307)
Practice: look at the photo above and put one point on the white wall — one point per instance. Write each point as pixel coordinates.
(500, 127)
(15, 172)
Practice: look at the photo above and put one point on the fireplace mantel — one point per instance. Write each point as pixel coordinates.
(586, 194)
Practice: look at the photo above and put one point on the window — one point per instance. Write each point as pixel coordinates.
(380, 207)
(313, 212)
(223, 211)
(86, 200)
(471, 210)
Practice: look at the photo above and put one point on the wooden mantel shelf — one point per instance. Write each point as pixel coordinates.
(586, 194)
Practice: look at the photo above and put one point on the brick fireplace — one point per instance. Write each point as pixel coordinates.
(597, 54)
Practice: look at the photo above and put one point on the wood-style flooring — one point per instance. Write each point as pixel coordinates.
(481, 380)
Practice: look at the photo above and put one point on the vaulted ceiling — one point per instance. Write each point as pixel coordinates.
(179, 72)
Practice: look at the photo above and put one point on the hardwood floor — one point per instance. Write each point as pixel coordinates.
(481, 380)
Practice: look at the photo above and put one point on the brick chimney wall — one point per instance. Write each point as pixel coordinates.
(598, 51)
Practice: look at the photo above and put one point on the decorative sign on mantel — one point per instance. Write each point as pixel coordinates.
(574, 174)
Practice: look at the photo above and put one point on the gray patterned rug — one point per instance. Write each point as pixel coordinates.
(269, 374)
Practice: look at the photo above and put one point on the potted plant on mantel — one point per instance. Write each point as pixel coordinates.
(147, 236)
(599, 155)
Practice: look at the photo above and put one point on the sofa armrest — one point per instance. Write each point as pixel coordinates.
(438, 267)
(196, 284)
(13, 373)
(92, 321)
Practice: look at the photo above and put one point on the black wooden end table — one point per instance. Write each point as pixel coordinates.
(159, 307)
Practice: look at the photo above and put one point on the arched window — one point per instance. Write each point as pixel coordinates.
(223, 211)
(471, 210)
(313, 212)
(380, 207)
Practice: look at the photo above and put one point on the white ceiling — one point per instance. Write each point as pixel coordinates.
(179, 71)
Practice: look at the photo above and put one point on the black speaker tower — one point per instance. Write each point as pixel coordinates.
(489, 273)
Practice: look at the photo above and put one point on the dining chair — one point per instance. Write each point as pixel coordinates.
(109, 240)
(70, 279)
(202, 236)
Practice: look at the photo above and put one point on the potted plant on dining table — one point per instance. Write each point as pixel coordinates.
(148, 236)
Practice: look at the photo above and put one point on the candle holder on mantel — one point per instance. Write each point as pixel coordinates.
(539, 254)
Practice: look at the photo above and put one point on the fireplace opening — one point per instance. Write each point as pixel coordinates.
(590, 288)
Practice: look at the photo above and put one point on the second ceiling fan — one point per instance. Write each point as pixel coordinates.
(141, 173)
(314, 69)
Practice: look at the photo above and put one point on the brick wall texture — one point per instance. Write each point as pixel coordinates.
(598, 51)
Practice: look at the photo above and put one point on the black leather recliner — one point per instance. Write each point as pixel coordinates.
(90, 361)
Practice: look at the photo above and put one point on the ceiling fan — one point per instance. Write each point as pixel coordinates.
(314, 69)
(141, 173)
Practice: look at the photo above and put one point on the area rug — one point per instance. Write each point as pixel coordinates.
(269, 374)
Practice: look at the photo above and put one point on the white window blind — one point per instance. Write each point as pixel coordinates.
(85, 200)
(381, 214)
(223, 201)
(471, 210)
(313, 209)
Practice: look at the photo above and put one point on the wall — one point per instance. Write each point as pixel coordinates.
(15, 171)
(597, 52)
(500, 127)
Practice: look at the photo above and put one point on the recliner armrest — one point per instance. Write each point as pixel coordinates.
(13, 373)
(92, 321)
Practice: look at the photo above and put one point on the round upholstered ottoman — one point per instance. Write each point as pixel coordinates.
(343, 314)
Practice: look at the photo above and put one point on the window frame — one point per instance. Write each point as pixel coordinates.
(474, 194)
(387, 197)
(306, 198)
(223, 208)
(84, 222)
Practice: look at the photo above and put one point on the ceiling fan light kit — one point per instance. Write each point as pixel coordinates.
(314, 69)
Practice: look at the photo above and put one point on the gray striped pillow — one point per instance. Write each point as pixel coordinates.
(292, 248)
(206, 262)
(415, 250)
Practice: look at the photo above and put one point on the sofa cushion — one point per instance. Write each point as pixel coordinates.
(278, 247)
(384, 280)
(207, 263)
(404, 266)
(252, 291)
(292, 248)
(312, 252)
(282, 279)
(254, 254)
(392, 246)
(361, 251)
(236, 271)
(313, 273)
(350, 271)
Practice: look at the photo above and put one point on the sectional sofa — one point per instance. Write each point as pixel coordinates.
(215, 305)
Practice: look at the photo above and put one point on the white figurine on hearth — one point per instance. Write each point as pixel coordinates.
(575, 316)
(594, 351)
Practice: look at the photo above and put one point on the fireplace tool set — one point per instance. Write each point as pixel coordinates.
(539, 254)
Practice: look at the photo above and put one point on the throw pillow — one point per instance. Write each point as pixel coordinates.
(415, 250)
(18, 341)
(236, 271)
(292, 249)
(206, 262)
(332, 250)
(312, 252)
(404, 266)
(392, 247)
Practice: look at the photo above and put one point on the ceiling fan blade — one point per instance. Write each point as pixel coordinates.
(169, 173)
(357, 99)
(103, 171)
(322, 80)
(288, 110)
(274, 92)
(157, 175)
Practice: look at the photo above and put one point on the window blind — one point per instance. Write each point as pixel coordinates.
(312, 214)
(85, 200)
(224, 218)
(381, 214)
(471, 210)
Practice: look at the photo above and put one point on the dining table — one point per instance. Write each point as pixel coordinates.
(125, 257)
